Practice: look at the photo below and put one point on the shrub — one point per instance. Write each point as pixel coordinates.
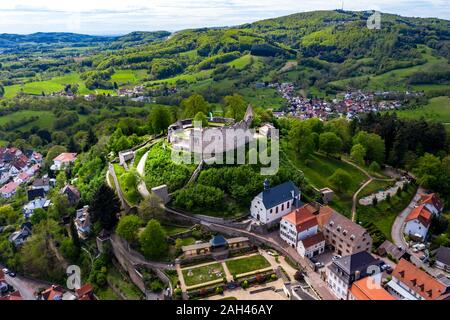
(273, 276)
(259, 278)
(299, 276)
(245, 284)
(219, 290)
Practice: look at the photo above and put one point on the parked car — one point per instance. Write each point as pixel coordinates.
(5, 270)
(12, 274)
(336, 257)
(319, 265)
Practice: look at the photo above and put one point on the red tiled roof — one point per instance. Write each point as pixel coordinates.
(84, 290)
(313, 240)
(53, 292)
(66, 157)
(421, 214)
(302, 218)
(419, 281)
(432, 199)
(9, 187)
(361, 290)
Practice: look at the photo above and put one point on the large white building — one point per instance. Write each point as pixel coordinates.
(418, 222)
(299, 224)
(272, 204)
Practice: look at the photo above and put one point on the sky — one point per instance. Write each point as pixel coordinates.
(114, 17)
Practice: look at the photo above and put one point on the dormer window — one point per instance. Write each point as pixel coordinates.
(331, 223)
(344, 232)
(338, 228)
(352, 237)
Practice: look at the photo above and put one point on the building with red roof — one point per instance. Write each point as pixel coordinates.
(312, 245)
(64, 160)
(418, 222)
(369, 289)
(432, 203)
(299, 224)
(411, 283)
(12, 296)
(8, 190)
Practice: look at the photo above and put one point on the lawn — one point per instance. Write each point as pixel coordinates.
(123, 284)
(384, 213)
(46, 119)
(247, 264)
(211, 272)
(123, 77)
(317, 170)
(267, 98)
(172, 230)
(438, 109)
(130, 192)
(52, 85)
(374, 187)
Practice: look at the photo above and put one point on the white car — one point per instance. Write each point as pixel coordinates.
(5, 270)
(336, 257)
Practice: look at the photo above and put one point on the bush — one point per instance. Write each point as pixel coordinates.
(299, 276)
(219, 290)
(245, 284)
(273, 276)
(156, 286)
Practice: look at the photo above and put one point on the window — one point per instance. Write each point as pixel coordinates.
(271, 210)
(288, 204)
(276, 209)
(282, 207)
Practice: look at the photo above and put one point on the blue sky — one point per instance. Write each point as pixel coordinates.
(119, 17)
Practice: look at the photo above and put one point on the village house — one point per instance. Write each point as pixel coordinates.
(266, 130)
(17, 238)
(343, 272)
(432, 203)
(15, 296)
(388, 249)
(443, 258)
(411, 283)
(43, 183)
(63, 161)
(369, 289)
(72, 193)
(56, 293)
(9, 190)
(269, 206)
(311, 246)
(343, 235)
(418, 222)
(83, 222)
(298, 225)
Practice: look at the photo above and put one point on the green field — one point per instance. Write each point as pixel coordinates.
(46, 118)
(438, 109)
(247, 264)
(49, 86)
(130, 193)
(374, 187)
(203, 274)
(172, 230)
(124, 77)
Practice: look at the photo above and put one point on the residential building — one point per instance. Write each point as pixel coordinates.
(443, 259)
(269, 206)
(42, 183)
(33, 194)
(9, 190)
(85, 292)
(12, 296)
(63, 160)
(389, 249)
(72, 193)
(38, 203)
(311, 246)
(418, 222)
(343, 235)
(55, 293)
(411, 283)
(266, 130)
(125, 156)
(22, 177)
(298, 225)
(432, 203)
(18, 237)
(369, 289)
(83, 222)
(343, 272)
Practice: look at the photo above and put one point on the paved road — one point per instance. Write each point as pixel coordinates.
(27, 287)
(142, 188)
(397, 227)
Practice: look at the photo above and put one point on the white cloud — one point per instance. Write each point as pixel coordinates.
(119, 16)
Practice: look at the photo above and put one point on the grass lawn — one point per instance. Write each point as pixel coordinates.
(384, 213)
(172, 230)
(203, 274)
(124, 285)
(106, 294)
(123, 77)
(130, 192)
(247, 264)
(374, 187)
(438, 109)
(46, 118)
(267, 98)
(317, 170)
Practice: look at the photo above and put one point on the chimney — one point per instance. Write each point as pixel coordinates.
(266, 184)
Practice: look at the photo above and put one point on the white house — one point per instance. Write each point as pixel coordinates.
(266, 130)
(298, 225)
(311, 246)
(269, 206)
(8, 190)
(418, 222)
(63, 160)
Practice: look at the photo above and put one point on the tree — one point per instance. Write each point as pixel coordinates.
(74, 235)
(194, 104)
(341, 180)
(358, 153)
(299, 276)
(235, 107)
(8, 215)
(160, 119)
(38, 215)
(153, 240)
(151, 208)
(104, 207)
(128, 228)
(53, 152)
(2, 91)
(374, 167)
(374, 145)
(330, 143)
(200, 117)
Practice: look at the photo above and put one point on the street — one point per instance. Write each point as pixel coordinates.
(26, 287)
